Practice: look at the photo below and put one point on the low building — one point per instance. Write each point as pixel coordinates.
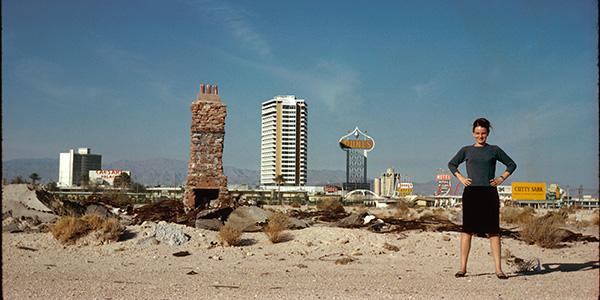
(105, 177)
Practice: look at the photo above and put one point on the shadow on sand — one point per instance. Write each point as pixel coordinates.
(550, 268)
(126, 235)
(563, 267)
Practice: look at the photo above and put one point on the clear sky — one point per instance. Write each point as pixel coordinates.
(119, 77)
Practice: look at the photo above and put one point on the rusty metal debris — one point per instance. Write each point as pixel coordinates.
(181, 253)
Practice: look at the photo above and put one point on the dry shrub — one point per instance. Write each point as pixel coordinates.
(567, 210)
(556, 217)
(582, 224)
(278, 222)
(440, 214)
(111, 230)
(331, 205)
(67, 230)
(229, 235)
(403, 211)
(596, 217)
(516, 215)
(544, 231)
(95, 221)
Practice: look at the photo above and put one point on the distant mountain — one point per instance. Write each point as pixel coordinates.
(163, 171)
(151, 172)
(242, 176)
(323, 177)
(160, 171)
(47, 168)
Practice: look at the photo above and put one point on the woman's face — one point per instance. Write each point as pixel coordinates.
(480, 134)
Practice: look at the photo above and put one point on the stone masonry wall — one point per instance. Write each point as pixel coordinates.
(205, 167)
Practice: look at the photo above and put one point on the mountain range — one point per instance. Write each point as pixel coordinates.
(162, 171)
(152, 172)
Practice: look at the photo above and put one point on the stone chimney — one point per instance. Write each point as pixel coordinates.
(206, 181)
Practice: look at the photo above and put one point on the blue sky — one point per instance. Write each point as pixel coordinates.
(119, 77)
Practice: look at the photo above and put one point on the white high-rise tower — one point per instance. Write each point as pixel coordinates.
(73, 167)
(284, 139)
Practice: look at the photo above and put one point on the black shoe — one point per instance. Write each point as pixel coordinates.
(501, 276)
(460, 274)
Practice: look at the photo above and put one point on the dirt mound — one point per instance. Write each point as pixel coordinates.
(22, 201)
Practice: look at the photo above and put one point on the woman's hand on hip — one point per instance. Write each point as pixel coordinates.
(496, 181)
(465, 181)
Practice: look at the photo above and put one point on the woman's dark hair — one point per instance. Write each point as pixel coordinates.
(482, 122)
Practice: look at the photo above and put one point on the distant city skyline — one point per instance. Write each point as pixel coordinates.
(119, 77)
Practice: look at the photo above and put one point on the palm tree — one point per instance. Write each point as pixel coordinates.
(34, 177)
(122, 180)
(279, 180)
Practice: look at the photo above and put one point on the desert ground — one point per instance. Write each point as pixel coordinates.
(318, 262)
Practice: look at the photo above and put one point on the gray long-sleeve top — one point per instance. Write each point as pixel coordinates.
(481, 163)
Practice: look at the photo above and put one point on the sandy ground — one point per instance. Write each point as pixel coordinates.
(303, 267)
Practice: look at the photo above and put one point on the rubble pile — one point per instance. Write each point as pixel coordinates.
(167, 210)
(26, 209)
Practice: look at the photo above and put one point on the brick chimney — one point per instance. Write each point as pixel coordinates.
(206, 181)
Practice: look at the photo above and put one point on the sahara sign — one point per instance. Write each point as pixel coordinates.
(529, 191)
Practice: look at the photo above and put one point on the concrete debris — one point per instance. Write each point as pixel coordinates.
(248, 218)
(215, 213)
(294, 223)
(523, 265)
(97, 209)
(6, 214)
(24, 224)
(212, 219)
(170, 234)
(209, 224)
(60, 207)
(367, 219)
(354, 220)
(11, 225)
(147, 241)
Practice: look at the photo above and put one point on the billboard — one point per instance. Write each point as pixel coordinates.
(357, 140)
(356, 144)
(405, 189)
(528, 190)
(444, 184)
(105, 176)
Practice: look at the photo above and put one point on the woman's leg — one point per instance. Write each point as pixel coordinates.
(465, 247)
(496, 252)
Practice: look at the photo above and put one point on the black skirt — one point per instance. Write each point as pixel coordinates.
(481, 210)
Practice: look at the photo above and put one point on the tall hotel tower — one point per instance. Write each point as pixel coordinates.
(284, 138)
(74, 167)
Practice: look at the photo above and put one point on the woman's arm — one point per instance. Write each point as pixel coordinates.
(453, 166)
(510, 167)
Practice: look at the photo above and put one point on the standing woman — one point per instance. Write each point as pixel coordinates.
(481, 205)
